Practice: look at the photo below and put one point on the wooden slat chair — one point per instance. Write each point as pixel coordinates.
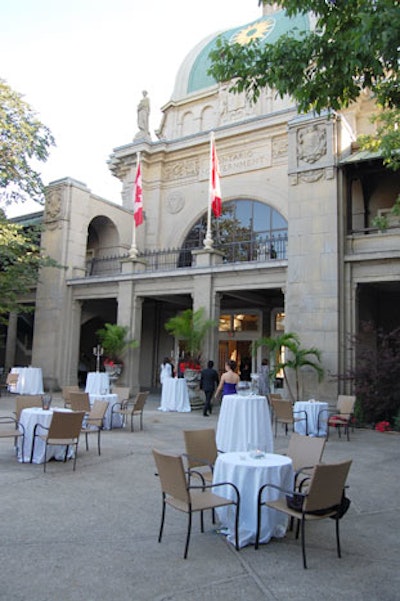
(178, 493)
(24, 401)
(65, 428)
(323, 499)
(11, 428)
(283, 414)
(341, 417)
(94, 422)
(129, 408)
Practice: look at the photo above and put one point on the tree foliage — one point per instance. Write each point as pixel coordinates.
(190, 327)
(20, 261)
(23, 138)
(376, 374)
(296, 358)
(354, 47)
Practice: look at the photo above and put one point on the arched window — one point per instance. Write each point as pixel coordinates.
(248, 230)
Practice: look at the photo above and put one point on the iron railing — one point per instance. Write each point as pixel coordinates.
(255, 250)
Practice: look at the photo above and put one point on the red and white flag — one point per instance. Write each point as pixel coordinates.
(138, 197)
(215, 185)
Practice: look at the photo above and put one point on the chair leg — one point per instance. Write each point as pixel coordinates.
(338, 538)
(45, 456)
(259, 505)
(132, 427)
(189, 529)
(237, 525)
(162, 519)
(98, 441)
(86, 440)
(75, 455)
(201, 521)
(303, 542)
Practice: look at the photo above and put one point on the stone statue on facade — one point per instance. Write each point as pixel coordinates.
(143, 114)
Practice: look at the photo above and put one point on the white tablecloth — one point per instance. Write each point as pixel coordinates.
(249, 475)
(111, 399)
(97, 382)
(244, 421)
(175, 395)
(30, 380)
(312, 408)
(29, 418)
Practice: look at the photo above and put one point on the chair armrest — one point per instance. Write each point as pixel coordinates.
(39, 426)
(218, 484)
(284, 491)
(199, 459)
(119, 404)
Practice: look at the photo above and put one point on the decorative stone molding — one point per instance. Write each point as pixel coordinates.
(310, 177)
(175, 203)
(52, 213)
(311, 144)
(279, 148)
(182, 169)
(233, 107)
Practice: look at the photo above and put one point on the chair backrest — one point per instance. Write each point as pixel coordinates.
(79, 401)
(97, 413)
(11, 379)
(140, 400)
(305, 451)
(66, 424)
(326, 485)
(201, 447)
(66, 390)
(25, 401)
(282, 409)
(122, 392)
(172, 475)
(274, 395)
(345, 404)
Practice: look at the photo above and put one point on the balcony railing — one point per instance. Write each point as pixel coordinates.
(261, 250)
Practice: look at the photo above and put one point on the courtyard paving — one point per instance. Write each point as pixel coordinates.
(91, 535)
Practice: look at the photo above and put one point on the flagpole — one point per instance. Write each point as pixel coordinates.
(134, 250)
(208, 241)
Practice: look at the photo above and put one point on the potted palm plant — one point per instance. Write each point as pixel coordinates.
(190, 328)
(296, 358)
(114, 341)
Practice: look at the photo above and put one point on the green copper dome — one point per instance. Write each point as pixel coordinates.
(192, 76)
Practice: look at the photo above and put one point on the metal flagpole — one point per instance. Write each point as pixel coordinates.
(134, 250)
(208, 241)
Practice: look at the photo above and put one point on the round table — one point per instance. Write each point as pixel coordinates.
(312, 408)
(249, 474)
(244, 421)
(175, 395)
(29, 418)
(30, 380)
(111, 400)
(97, 382)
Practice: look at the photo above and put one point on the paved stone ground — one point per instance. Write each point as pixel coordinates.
(91, 535)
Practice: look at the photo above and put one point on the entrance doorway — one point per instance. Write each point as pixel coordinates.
(236, 350)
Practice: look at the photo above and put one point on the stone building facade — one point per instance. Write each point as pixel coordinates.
(294, 181)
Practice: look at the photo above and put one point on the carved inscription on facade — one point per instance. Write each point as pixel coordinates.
(311, 144)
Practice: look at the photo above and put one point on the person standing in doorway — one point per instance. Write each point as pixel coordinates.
(208, 382)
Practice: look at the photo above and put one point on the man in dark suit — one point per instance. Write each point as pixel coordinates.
(208, 382)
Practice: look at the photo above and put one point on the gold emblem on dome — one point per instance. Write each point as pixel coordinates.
(254, 31)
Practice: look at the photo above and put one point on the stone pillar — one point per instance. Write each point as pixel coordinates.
(11, 341)
(312, 309)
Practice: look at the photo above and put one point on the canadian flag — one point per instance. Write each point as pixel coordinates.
(138, 197)
(215, 185)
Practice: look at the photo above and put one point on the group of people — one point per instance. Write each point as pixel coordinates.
(211, 384)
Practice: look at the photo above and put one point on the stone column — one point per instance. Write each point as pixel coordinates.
(11, 342)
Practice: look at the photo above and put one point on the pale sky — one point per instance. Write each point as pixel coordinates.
(82, 66)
